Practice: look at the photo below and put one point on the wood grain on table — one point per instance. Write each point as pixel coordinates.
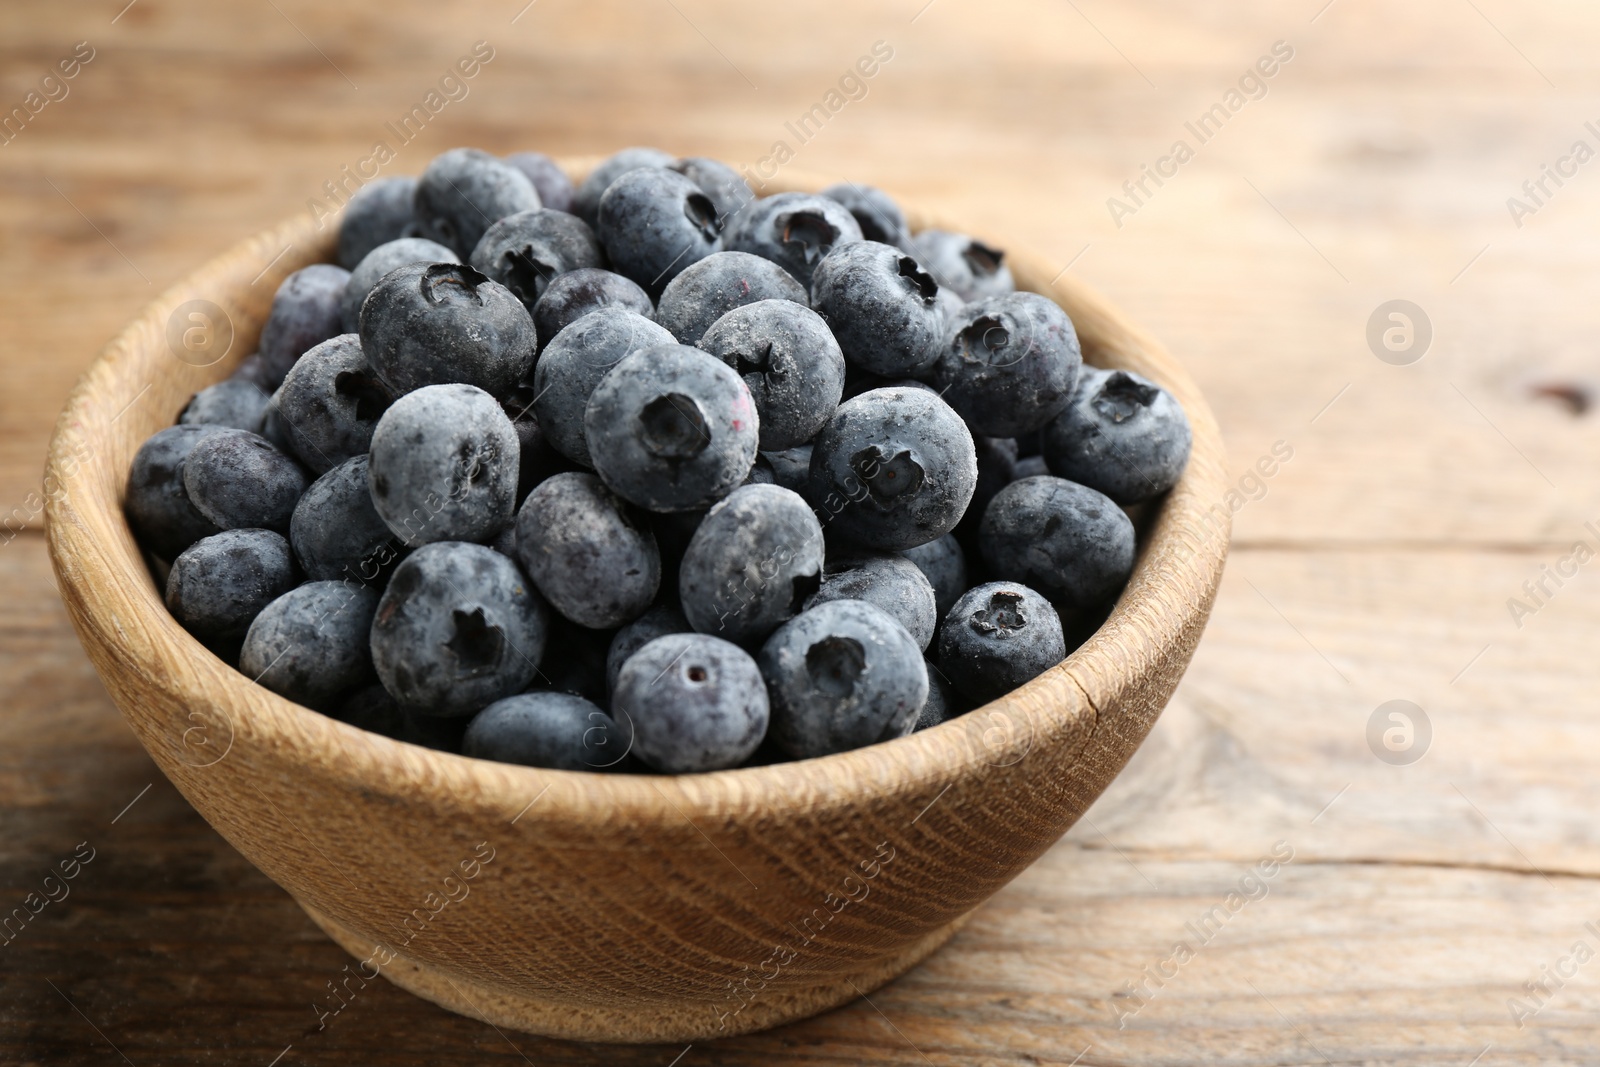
(1430, 913)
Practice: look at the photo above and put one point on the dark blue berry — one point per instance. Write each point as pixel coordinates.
(311, 644)
(590, 556)
(571, 296)
(557, 730)
(330, 402)
(336, 532)
(695, 703)
(219, 584)
(305, 312)
(465, 191)
(549, 180)
(998, 636)
(944, 564)
(654, 223)
(893, 584)
(380, 261)
(1121, 434)
(236, 403)
(718, 284)
(575, 362)
(586, 201)
(875, 211)
(659, 621)
(458, 628)
(1070, 542)
(671, 428)
(789, 361)
(972, 269)
(1009, 364)
(240, 480)
(882, 307)
(730, 194)
(158, 507)
(841, 675)
(527, 251)
(794, 230)
(378, 213)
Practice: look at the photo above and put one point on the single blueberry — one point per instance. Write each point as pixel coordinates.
(1121, 434)
(875, 211)
(330, 402)
(671, 428)
(158, 507)
(1009, 364)
(842, 675)
(556, 730)
(894, 468)
(378, 213)
(305, 312)
(571, 296)
(591, 557)
(694, 703)
(654, 223)
(659, 621)
(458, 628)
(790, 362)
(465, 191)
(240, 480)
(751, 564)
(443, 466)
(380, 261)
(336, 532)
(525, 252)
(730, 194)
(944, 564)
(436, 323)
(555, 189)
(998, 636)
(586, 201)
(219, 584)
(794, 230)
(718, 284)
(882, 306)
(1070, 542)
(575, 362)
(311, 645)
(893, 584)
(236, 403)
(972, 269)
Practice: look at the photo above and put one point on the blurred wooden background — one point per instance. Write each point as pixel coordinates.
(1376, 564)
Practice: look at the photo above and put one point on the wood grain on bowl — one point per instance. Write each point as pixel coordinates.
(617, 908)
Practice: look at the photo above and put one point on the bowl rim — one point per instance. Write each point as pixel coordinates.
(1179, 563)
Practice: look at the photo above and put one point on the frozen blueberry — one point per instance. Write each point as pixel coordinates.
(336, 532)
(591, 557)
(788, 359)
(794, 230)
(240, 480)
(572, 295)
(444, 466)
(235, 402)
(893, 468)
(730, 194)
(882, 306)
(696, 703)
(311, 644)
(380, 261)
(973, 270)
(555, 730)
(1070, 542)
(549, 180)
(371, 708)
(944, 564)
(157, 505)
(997, 637)
(751, 564)
(458, 628)
(305, 312)
(1121, 434)
(654, 223)
(465, 191)
(791, 467)
(586, 201)
(1009, 364)
(659, 621)
(671, 428)
(526, 251)
(378, 213)
(219, 584)
(574, 661)
(879, 217)
(841, 675)
(573, 364)
(330, 402)
(892, 584)
(433, 323)
(718, 284)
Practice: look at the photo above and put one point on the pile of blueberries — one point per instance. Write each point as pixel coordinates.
(649, 473)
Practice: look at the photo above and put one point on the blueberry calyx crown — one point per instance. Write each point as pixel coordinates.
(702, 214)
(813, 234)
(527, 276)
(448, 283)
(983, 261)
(834, 663)
(887, 475)
(1002, 617)
(1121, 397)
(984, 339)
(476, 643)
(921, 282)
(673, 427)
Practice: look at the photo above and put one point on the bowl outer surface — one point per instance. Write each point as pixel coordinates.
(616, 907)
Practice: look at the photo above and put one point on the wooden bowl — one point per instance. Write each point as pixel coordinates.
(612, 907)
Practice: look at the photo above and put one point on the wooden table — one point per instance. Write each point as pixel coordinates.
(1376, 564)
